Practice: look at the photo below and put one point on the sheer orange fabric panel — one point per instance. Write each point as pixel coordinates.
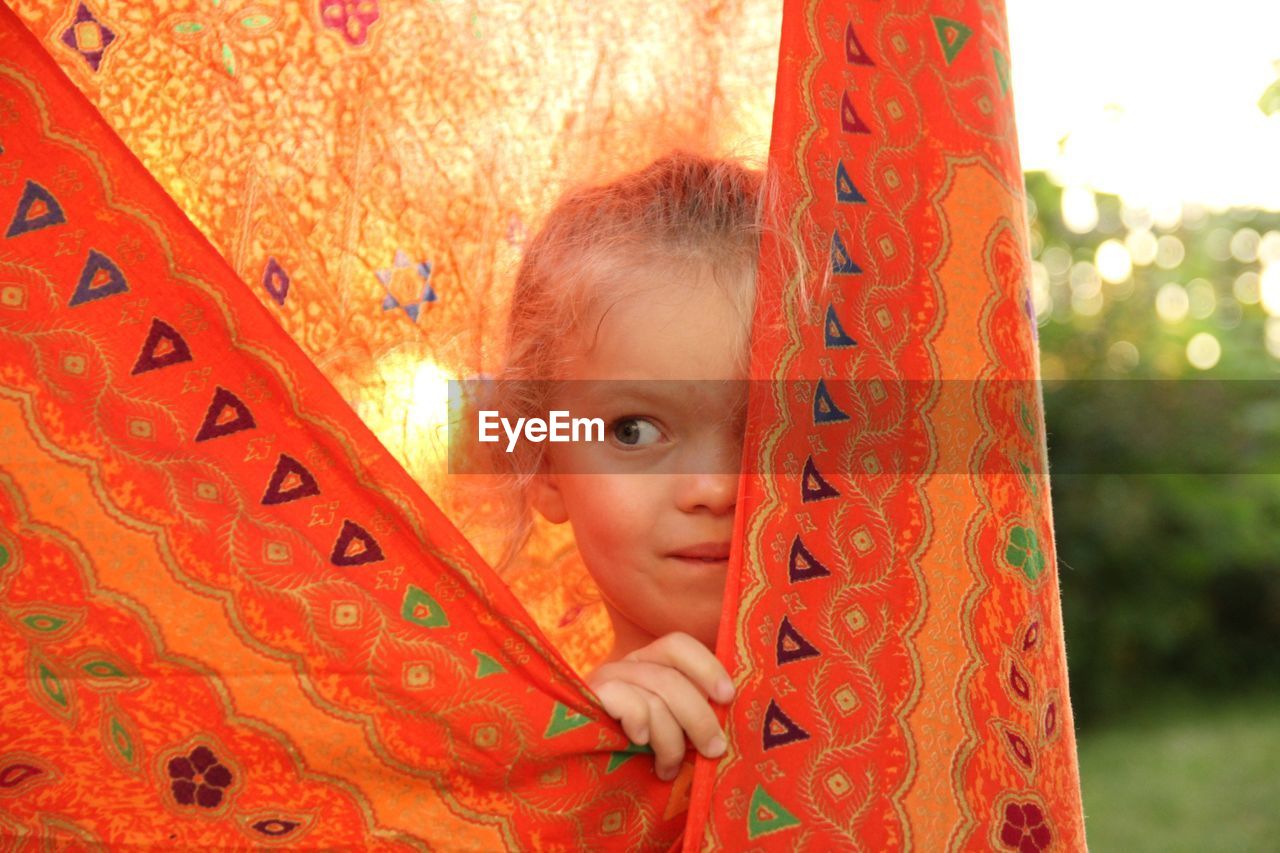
(233, 617)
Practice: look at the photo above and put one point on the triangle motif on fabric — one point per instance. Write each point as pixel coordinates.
(952, 36)
(853, 50)
(845, 190)
(766, 815)
(803, 566)
(779, 729)
(791, 646)
(226, 414)
(1002, 69)
(99, 278)
(850, 121)
(812, 486)
(421, 609)
(841, 262)
(825, 410)
(564, 720)
(486, 665)
(163, 347)
(355, 546)
(36, 209)
(834, 335)
(290, 481)
(622, 756)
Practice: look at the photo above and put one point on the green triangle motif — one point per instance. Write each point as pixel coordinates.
(952, 36)
(485, 665)
(766, 815)
(564, 720)
(1002, 70)
(421, 609)
(617, 759)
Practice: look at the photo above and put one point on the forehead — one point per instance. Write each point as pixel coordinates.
(709, 400)
(679, 327)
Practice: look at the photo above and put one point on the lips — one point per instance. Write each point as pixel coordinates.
(708, 551)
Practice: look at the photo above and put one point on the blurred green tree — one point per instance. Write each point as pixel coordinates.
(1162, 405)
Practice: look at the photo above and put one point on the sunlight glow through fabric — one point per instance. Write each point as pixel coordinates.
(231, 616)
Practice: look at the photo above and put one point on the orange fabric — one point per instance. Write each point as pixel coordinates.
(210, 563)
(897, 624)
(233, 618)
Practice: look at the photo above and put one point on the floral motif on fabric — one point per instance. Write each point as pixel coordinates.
(198, 779)
(352, 18)
(1024, 827)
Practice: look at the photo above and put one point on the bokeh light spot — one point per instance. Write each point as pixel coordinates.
(1203, 351)
(1244, 245)
(1269, 248)
(1142, 247)
(1057, 261)
(1202, 298)
(1169, 252)
(1113, 261)
(1172, 303)
(1247, 287)
(1273, 336)
(1269, 290)
(1123, 356)
(1079, 209)
(1041, 297)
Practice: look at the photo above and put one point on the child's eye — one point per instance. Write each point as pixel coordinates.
(632, 431)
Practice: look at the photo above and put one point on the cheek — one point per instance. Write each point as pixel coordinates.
(607, 511)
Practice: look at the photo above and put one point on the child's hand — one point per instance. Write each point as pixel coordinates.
(660, 693)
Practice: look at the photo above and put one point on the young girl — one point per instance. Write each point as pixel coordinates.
(636, 300)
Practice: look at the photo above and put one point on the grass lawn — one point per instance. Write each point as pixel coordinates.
(1194, 778)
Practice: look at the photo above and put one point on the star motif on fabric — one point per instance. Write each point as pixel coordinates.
(88, 36)
(407, 283)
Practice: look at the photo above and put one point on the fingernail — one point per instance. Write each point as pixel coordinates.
(724, 690)
(642, 737)
(716, 748)
(667, 774)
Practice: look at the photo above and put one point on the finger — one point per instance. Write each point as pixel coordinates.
(682, 652)
(666, 738)
(683, 701)
(627, 705)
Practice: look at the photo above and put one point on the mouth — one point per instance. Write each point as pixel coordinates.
(707, 553)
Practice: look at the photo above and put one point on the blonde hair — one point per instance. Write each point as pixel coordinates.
(683, 212)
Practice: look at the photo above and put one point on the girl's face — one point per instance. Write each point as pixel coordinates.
(652, 506)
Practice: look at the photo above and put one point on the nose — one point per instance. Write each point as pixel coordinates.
(709, 481)
(703, 491)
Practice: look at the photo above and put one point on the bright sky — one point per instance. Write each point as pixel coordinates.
(1158, 100)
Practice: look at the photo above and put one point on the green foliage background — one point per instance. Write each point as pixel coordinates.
(1166, 495)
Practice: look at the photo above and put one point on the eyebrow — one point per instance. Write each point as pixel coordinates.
(644, 394)
(672, 392)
